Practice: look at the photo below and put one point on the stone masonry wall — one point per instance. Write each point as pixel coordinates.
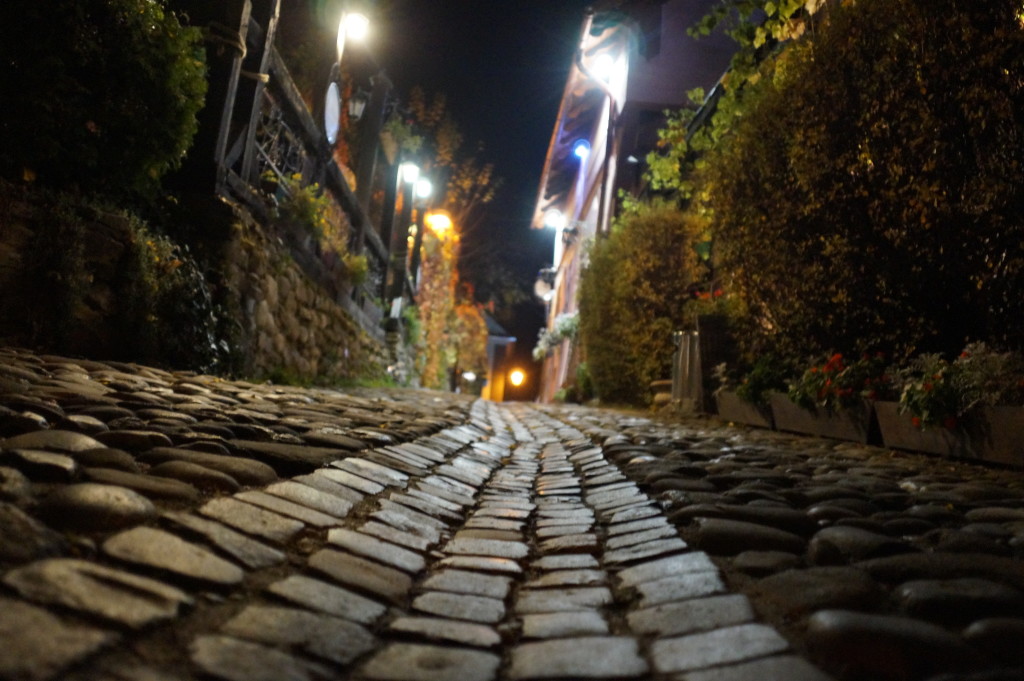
(291, 327)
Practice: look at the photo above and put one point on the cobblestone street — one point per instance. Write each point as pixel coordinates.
(163, 526)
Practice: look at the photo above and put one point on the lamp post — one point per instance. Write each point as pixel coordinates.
(424, 190)
(408, 174)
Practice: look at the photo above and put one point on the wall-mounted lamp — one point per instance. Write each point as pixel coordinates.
(554, 219)
(357, 104)
(544, 287)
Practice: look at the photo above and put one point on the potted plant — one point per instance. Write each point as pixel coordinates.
(747, 400)
(832, 398)
(970, 406)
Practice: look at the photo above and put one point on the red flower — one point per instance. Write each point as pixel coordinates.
(916, 421)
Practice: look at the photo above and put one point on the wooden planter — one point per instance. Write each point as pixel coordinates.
(996, 434)
(848, 424)
(899, 432)
(731, 407)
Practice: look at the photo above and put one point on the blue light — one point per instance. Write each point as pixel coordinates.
(581, 149)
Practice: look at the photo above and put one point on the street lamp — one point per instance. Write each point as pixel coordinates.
(423, 190)
(517, 377)
(439, 222)
(352, 25)
(408, 174)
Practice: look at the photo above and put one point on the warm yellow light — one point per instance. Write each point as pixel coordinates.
(439, 222)
(355, 26)
(517, 377)
(352, 25)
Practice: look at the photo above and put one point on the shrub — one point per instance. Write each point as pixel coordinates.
(897, 224)
(101, 95)
(632, 297)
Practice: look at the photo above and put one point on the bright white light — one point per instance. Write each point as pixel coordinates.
(469, 376)
(355, 25)
(581, 149)
(409, 172)
(554, 219)
(603, 66)
(424, 188)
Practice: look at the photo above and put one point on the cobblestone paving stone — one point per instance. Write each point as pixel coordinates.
(168, 526)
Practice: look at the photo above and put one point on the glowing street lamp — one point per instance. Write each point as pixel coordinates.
(422, 190)
(517, 377)
(440, 223)
(554, 219)
(352, 25)
(408, 174)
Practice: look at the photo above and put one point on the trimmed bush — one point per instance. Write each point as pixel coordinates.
(632, 297)
(871, 196)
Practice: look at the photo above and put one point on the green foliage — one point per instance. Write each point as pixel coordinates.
(99, 95)
(632, 297)
(836, 384)
(99, 280)
(565, 327)
(57, 275)
(939, 392)
(767, 374)
(898, 224)
(305, 206)
(166, 312)
(312, 211)
(580, 390)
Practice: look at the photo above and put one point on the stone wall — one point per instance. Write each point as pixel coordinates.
(80, 294)
(292, 327)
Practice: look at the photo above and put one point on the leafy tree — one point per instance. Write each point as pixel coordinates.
(633, 295)
(870, 195)
(101, 95)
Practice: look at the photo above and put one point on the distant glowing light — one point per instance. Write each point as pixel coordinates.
(581, 149)
(517, 377)
(439, 223)
(470, 376)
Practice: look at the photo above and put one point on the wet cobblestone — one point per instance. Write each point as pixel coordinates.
(167, 526)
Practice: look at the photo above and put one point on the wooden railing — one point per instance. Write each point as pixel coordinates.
(282, 141)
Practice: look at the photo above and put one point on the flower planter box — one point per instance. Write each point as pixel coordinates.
(997, 435)
(731, 407)
(994, 434)
(849, 424)
(899, 432)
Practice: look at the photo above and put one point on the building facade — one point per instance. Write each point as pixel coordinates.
(632, 64)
